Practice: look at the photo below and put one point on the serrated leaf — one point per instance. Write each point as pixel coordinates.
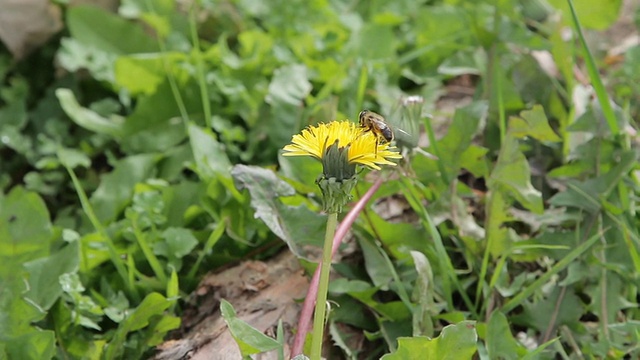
(294, 225)
(467, 121)
(512, 175)
(455, 342)
(250, 340)
(533, 123)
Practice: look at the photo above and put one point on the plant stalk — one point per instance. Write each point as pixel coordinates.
(323, 288)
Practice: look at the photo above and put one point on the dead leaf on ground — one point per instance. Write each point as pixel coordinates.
(261, 293)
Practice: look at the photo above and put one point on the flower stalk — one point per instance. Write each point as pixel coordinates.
(323, 288)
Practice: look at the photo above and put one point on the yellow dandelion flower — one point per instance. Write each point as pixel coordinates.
(361, 146)
(340, 146)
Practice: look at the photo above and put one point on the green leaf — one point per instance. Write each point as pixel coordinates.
(249, 339)
(423, 295)
(593, 14)
(88, 119)
(72, 158)
(455, 342)
(108, 32)
(295, 225)
(116, 188)
(539, 312)
(34, 345)
(467, 122)
(512, 176)
(533, 123)
(500, 342)
(25, 235)
(210, 156)
(25, 230)
(591, 194)
(381, 35)
(289, 85)
(178, 242)
(153, 305)
(143, 74)
(375, 264)
(441, 31)
(44, 274)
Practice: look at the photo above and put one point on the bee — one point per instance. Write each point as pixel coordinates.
(375, 123)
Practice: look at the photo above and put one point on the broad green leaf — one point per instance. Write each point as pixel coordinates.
(44, 286)
(372, 33)
(143, 73)
(500, 342)
(512, 176)
(441, 31)
(211, 159)
(289, 85)
(25, 230)
(287, 91)
(178, 242)
(474, 159)
(303, 170)
(25, 235)
(153, 305)
(540, 312)
(467, 121)
(295, 225)
(375, 264)
(88, 119)
(75, 56)
(249, 339)
(455, 342)
(397, 238)
(34, 345)
(116, 188)
(593, 14)
(590, 194)
(533, 123)
(72, 158)
(108, 32)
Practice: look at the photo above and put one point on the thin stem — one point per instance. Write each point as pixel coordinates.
(307, 307)
(323, 288)
(204, 93)
(113, 252)
(596, 81)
